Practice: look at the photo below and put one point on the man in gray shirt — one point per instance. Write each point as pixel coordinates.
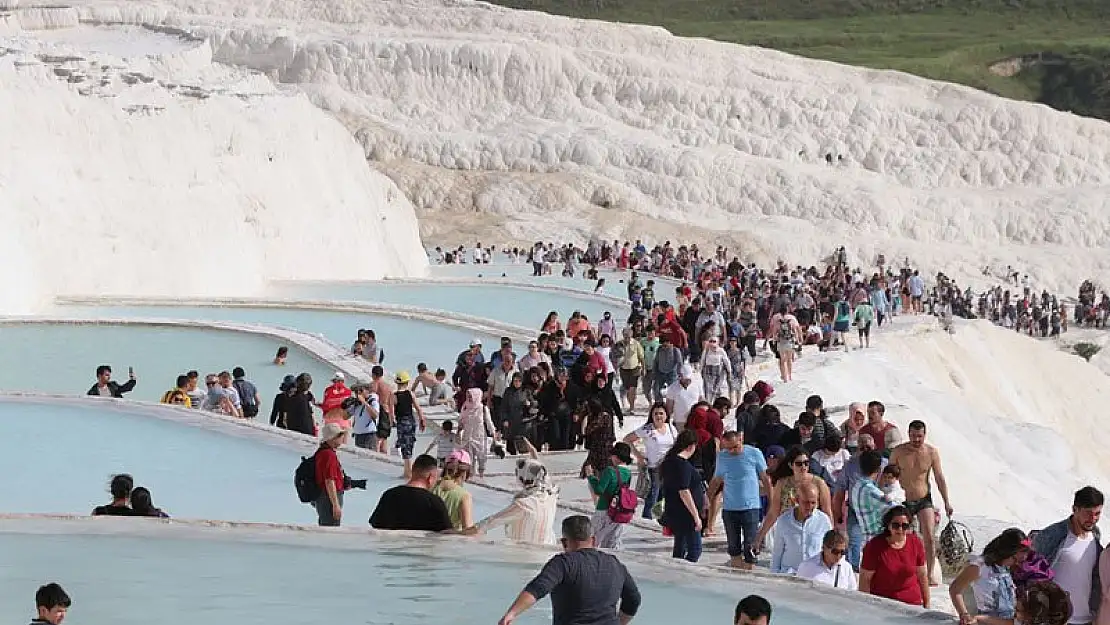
(585, 584)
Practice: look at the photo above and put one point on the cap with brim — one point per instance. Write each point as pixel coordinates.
(330, 431)
(403, 377)
(338, 377)
(475, 342)
(774, 451)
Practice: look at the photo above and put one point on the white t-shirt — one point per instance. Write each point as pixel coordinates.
(840, 576)
(832, 461)
(1074, 566)
(656, 443)
(684, 399)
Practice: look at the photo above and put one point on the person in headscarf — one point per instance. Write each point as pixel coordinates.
(530, 517)
(705, 456)
(599, 436)
(475, 426)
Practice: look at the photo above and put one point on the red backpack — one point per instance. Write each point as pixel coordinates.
(622, 507)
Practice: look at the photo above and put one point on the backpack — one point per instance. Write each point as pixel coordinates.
(843, 311)
(1035, 568)
(955, 544)
(304, 480)
(786, 330)
(622, 507)
(246, 398)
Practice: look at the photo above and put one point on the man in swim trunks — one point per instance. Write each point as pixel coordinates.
(917, 460)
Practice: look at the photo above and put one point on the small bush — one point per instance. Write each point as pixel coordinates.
(1087, 350)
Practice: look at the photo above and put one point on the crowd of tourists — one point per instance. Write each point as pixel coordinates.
(848, 505)
(1016, 305)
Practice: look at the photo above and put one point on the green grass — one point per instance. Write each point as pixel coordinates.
(948, 40)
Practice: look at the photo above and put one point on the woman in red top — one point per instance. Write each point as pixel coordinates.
(893, 563)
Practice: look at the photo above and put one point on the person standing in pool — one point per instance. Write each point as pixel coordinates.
(298, 407)
(412, 506)
(330, 477)
(279, 412)
(753, 610)
(406, 412)
(193, 390)
(121, 497)
(107, 387)
(143, 504)
(380, 387)
(51, 605)
(587, 586)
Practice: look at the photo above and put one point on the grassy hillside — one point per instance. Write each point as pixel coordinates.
(953, 40)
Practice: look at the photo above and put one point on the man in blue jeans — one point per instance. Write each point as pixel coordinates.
(740, 469)
(848, 477)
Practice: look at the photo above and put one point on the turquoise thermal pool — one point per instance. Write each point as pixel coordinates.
(520, 306)
(406, 342)
(195, 466)
(62, 357)
(148, 571)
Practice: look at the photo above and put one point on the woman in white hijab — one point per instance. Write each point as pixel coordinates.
(530, 517)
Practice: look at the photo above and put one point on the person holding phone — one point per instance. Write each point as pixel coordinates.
(105, 386)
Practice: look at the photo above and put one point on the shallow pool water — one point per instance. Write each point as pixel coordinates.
(62, 358)
(67, 453)
(520, 306)
(614, 281)
(406, 342)
(183, 575)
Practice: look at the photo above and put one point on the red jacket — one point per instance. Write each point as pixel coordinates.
(334, 396)
(674, 332)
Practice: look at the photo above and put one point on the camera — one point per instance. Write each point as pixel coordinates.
(348, 483)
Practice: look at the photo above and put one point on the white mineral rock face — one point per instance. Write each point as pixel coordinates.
(556, 127)
(132, 164)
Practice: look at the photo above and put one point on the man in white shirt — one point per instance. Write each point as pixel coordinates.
(1073, 547)
(830, 568)
(799, 533)
(681, 397)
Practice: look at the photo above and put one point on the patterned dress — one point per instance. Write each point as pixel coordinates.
(599, 442)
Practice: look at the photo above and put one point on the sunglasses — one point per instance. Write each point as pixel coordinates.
(837, 552)
(801, 463)
(900, 526)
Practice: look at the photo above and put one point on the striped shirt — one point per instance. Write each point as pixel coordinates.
(869, 505)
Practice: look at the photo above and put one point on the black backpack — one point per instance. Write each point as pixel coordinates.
(246, 398)
(304, 480)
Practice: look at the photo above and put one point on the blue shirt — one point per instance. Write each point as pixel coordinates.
(364, 423)
(740, 473)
